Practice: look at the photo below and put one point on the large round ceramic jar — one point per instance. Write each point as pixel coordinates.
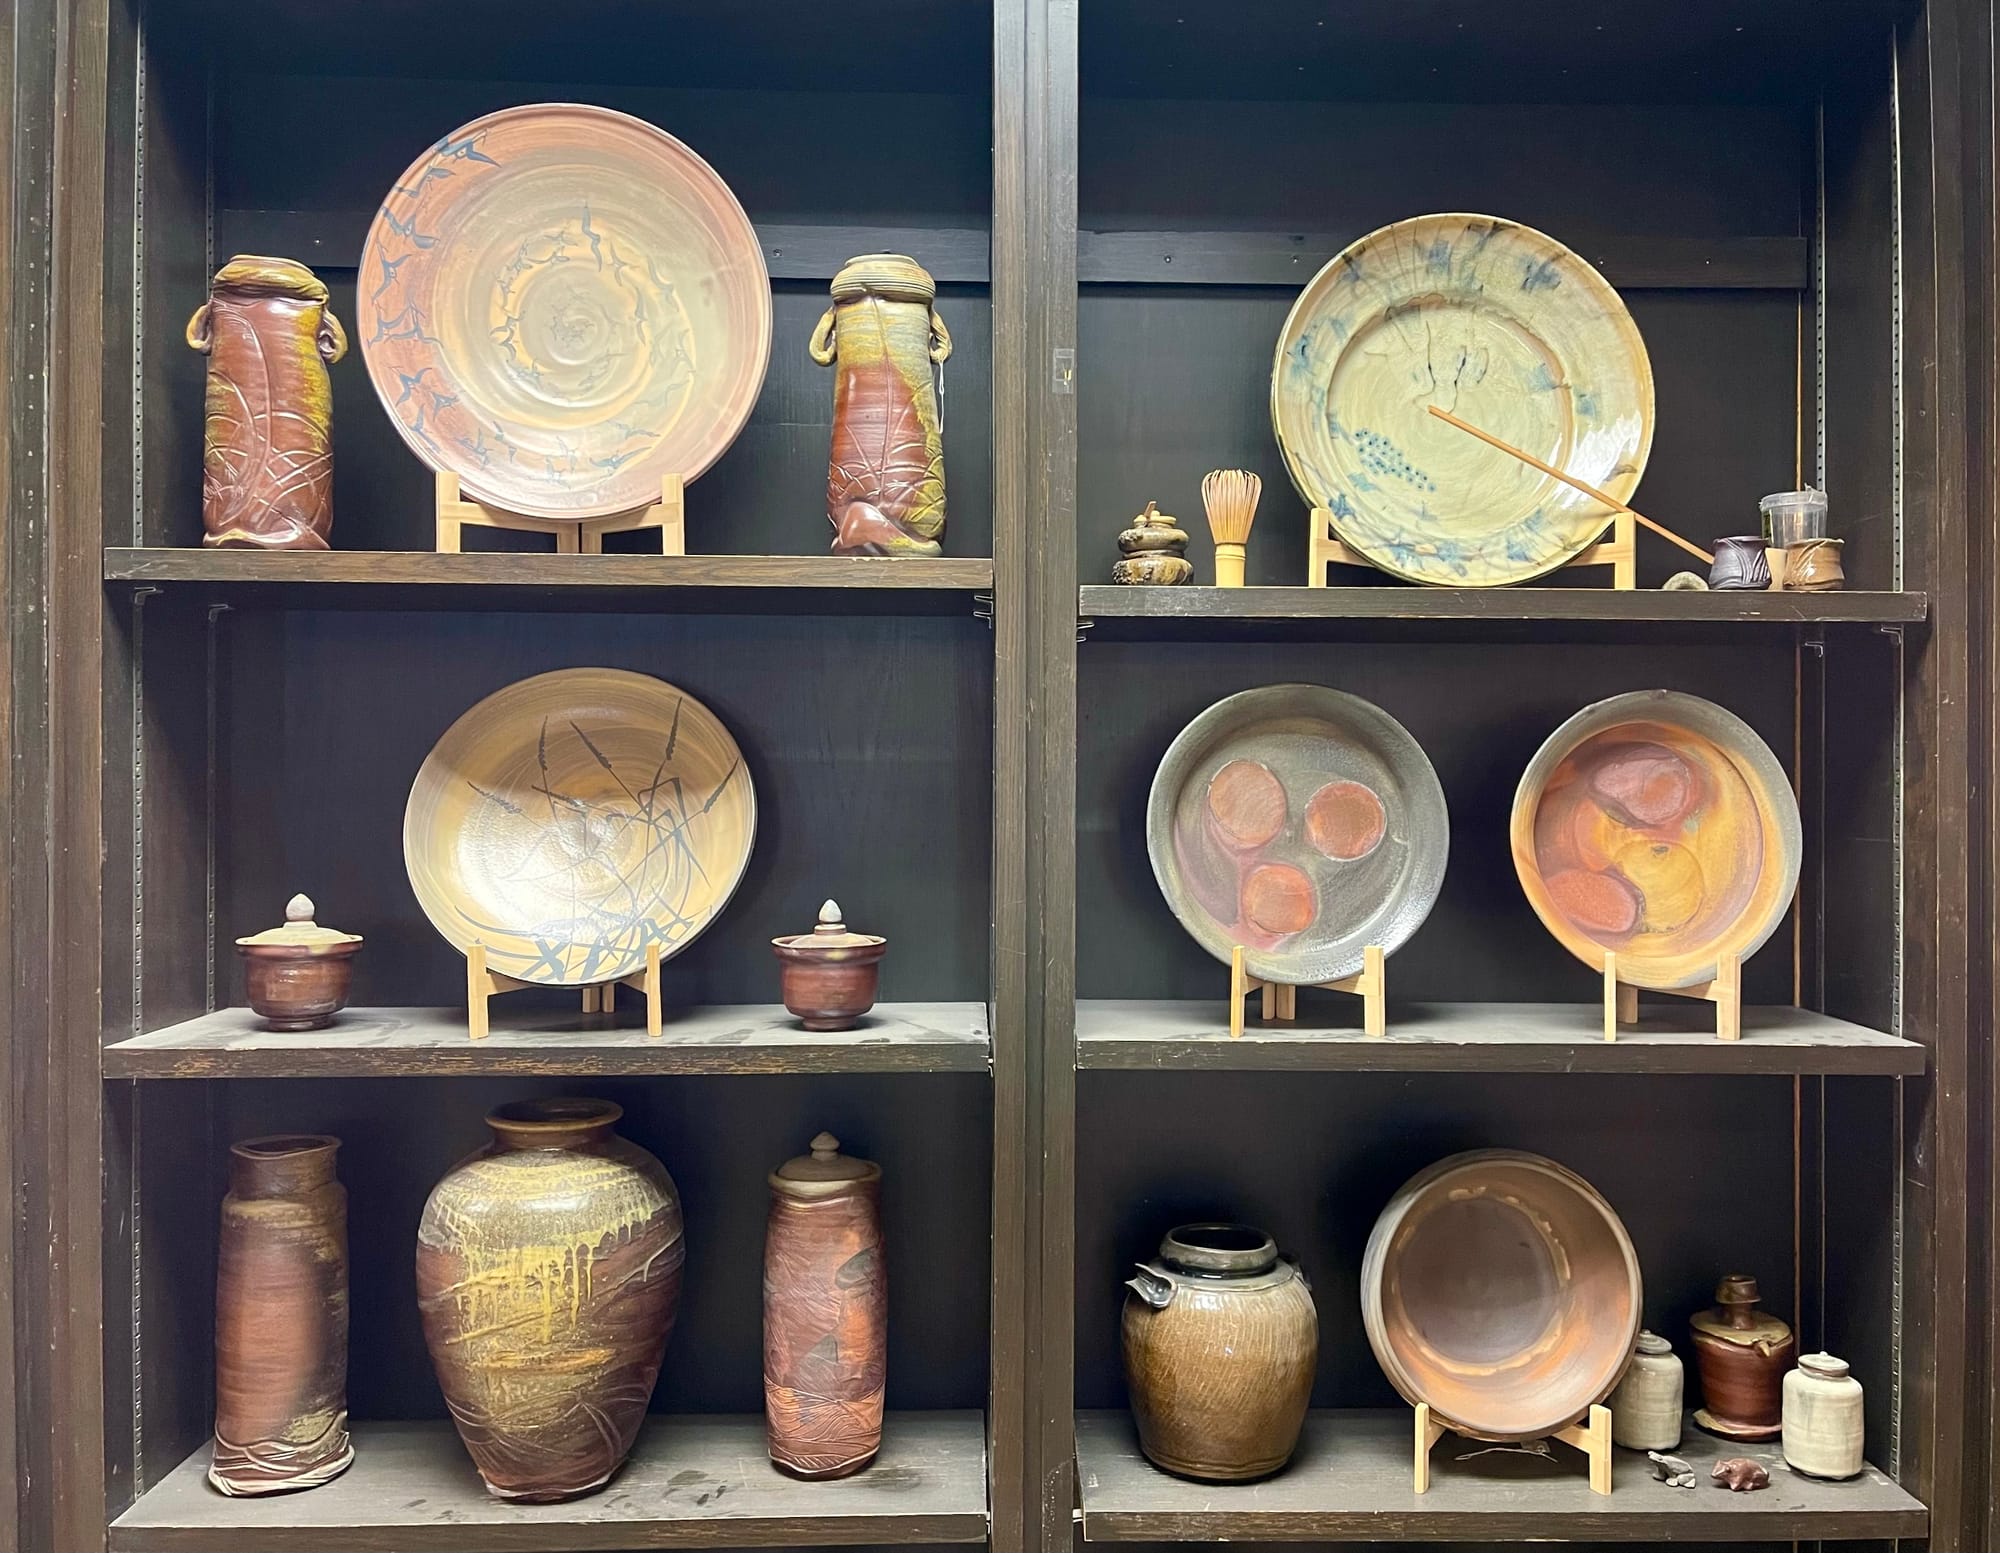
(548, 1273)
(1220, 1340)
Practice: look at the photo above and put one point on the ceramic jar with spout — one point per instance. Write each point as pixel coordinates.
(548, 1276)
(296, 976)
(829, 974)
(1823, 1426)
(1743, 1353)
(826, 1313)
(1153, 552)
(1646, 1407)
(1220, 1340)
(281, 1319)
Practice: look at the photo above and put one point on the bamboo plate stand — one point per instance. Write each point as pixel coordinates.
(455, 513)
(1725, 991)
(1281, 1001)
(1620, 552)
(481, 985)
(1591, 1435)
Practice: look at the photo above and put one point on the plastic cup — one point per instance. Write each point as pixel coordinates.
(1792, 517)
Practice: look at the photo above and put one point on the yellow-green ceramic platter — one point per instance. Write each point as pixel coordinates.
(1505, 328)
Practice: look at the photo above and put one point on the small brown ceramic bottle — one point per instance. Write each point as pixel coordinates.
(1743, 1353)
(826, 1313)
(281, 1319)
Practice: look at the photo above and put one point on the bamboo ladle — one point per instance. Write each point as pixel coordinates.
(1570, 480)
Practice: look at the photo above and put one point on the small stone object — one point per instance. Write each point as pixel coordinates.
(1671, 1470)
(1740, 1475)
(1685, 582)
(1153, 552)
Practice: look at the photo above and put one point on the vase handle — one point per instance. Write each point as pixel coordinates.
(1151, 1287)
(821, 347)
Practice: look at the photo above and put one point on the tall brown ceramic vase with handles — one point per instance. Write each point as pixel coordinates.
(548, 1275)
(826, 1313)
(281, 1319)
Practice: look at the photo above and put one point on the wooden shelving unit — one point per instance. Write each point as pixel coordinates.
(689, 1483)
(1350, 1482)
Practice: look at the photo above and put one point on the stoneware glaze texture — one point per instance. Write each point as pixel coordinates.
(1823, 1425)
(1659, 826)
(1647, 1405)
(281, 1319)
(1743, 1353)
(563, 305)
(1219, 1357)
(548, 1276)
(885, 469)
(826, 1318)
(1303, 824)
(1505, 328)
(267, 444)
(1501, 1289)
(572, 819)
(829, 975)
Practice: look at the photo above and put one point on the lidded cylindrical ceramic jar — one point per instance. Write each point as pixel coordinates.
(281, 1319)
(828, 976)
(1823, 1427)
(1646, 1406)
(296, 976)
(1220, 1340)
(1743, 1353)
(826, 1313)
(548, 1275)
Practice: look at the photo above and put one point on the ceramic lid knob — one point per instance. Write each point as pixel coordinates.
(1652, 1343)
(1824, 1364)
(824, 1170)
(825, 1145)
(829, 922)
(299, 909)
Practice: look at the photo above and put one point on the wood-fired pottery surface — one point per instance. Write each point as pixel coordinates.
(1505, 328)
(267, 445)
(1501, 1289)
(1220, 1339)
(296, 976)
(281, 1319)
(1301, 823)
(829, 975)
(548, 1276)
(826, 1313)
(571, 819)
(563, 305)
(1742, 1353)
(1659, 826)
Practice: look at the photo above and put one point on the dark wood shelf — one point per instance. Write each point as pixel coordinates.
(691, 1482)
(429, 1042)
(1350, 1481)
(1485, 1038)
(415, 579)
(1197, 610)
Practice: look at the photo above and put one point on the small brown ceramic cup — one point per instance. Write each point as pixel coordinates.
(829, 974)
(1814, 566)
(295, 987)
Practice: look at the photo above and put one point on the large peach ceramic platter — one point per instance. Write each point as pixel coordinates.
(1657, 826)
(1301, 824)
(572, 820)
(1505, 328)
(564, 305)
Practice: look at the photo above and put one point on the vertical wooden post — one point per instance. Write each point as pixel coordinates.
(1427, 1435)
(478, 987)
(1238, 991)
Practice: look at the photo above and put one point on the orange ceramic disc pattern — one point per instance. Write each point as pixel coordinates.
(1346, 820)
(1248, 802)
(1279, 898)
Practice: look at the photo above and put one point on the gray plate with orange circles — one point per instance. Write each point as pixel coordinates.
(1301, 823)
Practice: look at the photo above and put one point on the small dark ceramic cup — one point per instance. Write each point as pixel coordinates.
(1740, 564)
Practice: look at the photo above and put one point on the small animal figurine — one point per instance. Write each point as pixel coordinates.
(1153, 551)
(1230, 495)
(1740, 1475)
(1671, 1470)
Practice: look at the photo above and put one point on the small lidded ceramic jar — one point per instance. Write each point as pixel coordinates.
(297, 975)
(1153, 551)
(1646, 1407)
(829, 974)
(1823, 1418)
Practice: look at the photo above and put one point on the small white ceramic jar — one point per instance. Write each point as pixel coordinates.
(1646, 1407)
(1823, 1418)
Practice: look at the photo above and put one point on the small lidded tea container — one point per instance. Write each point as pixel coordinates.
(1153, 552)
(297, 975)
(1646, 1407)
(1823, 1425)
(829, 974)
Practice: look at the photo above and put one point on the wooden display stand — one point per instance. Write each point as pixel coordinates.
(1281, 1001)
(1725, 991)
(1620, 552)
(583, 537)
(481, 985)
(1591, 1435)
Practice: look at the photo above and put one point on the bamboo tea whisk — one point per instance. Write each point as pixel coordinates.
(1230, 495)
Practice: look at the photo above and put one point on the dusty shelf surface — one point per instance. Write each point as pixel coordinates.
(691, 1482)
(1350, 1481)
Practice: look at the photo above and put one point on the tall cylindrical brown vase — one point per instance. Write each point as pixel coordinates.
(281, 1319)
(826, 1310)
(548, 1275)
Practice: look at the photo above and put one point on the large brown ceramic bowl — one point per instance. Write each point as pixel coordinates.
(1301, 823)
(1659, 826)
(1502, 1290)
(562, 304)
(573, 819)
